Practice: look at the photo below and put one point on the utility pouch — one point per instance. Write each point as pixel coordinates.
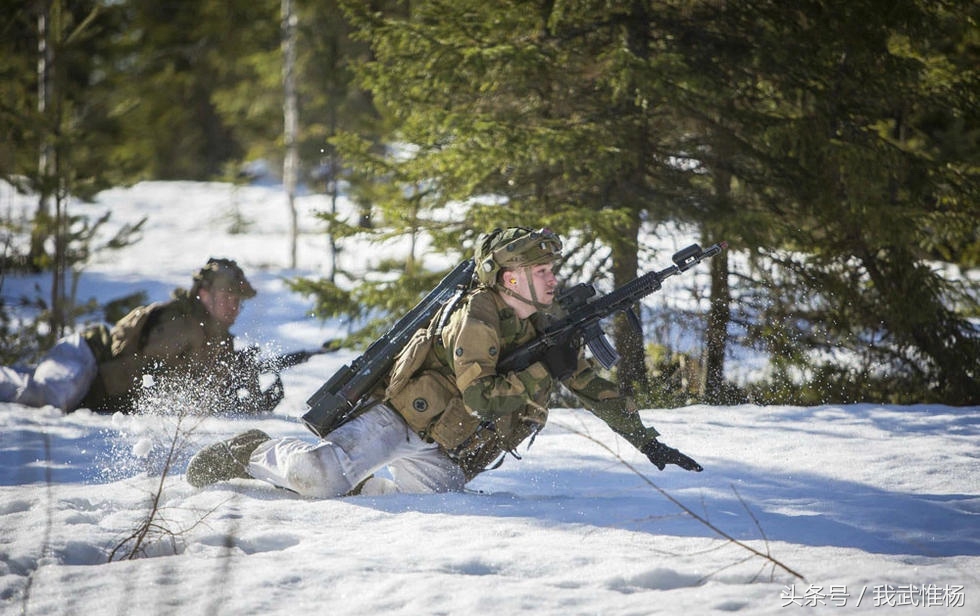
(99, 339)
(424, 398)
(455, 426)
(408, 362)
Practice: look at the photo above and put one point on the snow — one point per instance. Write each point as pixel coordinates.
(871, 504)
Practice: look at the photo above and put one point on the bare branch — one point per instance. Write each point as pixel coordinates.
(701, 519)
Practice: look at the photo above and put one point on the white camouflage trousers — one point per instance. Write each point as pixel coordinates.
(62, 377)
(379, 438)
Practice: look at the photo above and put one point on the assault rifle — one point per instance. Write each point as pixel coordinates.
(340, 396)
(277, 363)
(249, 360)
(249, 367)
(580, 323)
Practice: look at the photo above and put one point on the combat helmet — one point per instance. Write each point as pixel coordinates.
(222, 275)
(514, 248)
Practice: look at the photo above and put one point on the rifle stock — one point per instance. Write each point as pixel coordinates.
(339, 397)
(581, 323)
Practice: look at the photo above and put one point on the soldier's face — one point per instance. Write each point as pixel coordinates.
(538, 283)
(222, 305)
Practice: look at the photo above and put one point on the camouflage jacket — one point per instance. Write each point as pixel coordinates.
(446, 386)
(177, 343)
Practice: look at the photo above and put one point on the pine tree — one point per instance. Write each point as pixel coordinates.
(839, 134)
(61, 124)
(535, 115)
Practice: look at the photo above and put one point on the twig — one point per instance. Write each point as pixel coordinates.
(755, 520)
(155, 525)
(765, 555)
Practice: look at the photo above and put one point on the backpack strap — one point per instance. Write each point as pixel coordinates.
(130, 333)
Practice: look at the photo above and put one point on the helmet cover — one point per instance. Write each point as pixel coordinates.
(514, 248)
(223, 275)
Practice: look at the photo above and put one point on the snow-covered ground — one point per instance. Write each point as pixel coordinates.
(828, 509)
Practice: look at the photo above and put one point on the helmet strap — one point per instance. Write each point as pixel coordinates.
(533, 300)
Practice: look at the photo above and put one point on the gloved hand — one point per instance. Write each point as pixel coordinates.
(244, 392)
(561, 359)
(662, 455)
(272, 396)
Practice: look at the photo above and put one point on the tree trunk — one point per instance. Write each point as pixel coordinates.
(51, 183)
(290, 114)
(45, 162)
(631, 371)
(719, 314)
(716, 332)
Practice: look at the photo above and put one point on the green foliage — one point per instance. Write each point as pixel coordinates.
(832, 142)
(201, 85)
(23, 340)
(537, 117)
(848, 158)
(675, 379)
(372, 306)
(831, 383)
(475, 90)
(837, 133)
(33, 323)
(80, 122)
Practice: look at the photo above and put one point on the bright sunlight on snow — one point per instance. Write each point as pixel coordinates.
(830, 509)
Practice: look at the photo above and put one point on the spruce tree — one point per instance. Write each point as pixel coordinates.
(536, 115)
(839, 132)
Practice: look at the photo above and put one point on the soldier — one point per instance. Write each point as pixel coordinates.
(446, 414)
(184, 340)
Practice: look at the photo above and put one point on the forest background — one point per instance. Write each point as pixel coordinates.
(831, 143)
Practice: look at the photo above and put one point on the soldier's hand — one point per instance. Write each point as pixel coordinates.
(272, 396)
(245, 368)
(561, 359)
(247, 356)
(661, 455)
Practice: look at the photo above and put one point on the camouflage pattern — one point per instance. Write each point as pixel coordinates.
(176, 339)
(492, 413)
(222, 275)
(514, 248)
